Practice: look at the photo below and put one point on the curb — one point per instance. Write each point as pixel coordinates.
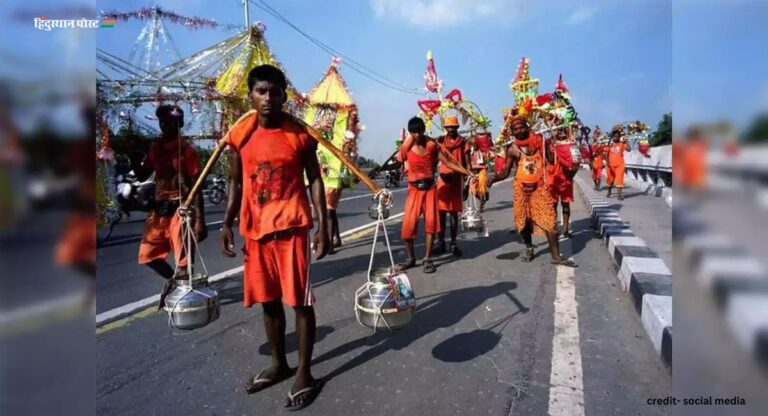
(640, 271)
(737, 282)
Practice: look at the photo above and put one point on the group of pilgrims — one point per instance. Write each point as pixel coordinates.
(276, 173)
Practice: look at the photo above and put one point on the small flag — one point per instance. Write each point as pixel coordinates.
(108, 22)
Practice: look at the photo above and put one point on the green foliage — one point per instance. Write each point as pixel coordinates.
(663, 134)
(366, 163)
(757, 132)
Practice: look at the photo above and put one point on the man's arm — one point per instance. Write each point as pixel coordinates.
(317, 191)
(233, 204)
(511, 160)
(453, 165)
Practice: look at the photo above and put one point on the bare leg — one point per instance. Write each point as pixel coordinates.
(554, 250)
(454, 232)
(162, 268)
(274, 324)
(330, 229)
(441, 233)
(410, 261)
(566, 219)
(430, 240)
(305, 329)
(527, 234)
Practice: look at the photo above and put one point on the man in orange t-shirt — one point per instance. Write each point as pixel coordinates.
(616, 163)
(421, 154)
(176, 165)
(450, 185)
(272, 152)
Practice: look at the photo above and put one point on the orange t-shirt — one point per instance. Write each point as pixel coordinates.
(166, 160)
(455, 148)
(274, 195)
(421, 166)
(616, 154)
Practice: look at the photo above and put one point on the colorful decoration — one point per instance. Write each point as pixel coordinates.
(432, 82)
(147, 13)
(331, 110)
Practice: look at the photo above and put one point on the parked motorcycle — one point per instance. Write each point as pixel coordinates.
(132, 195)
(217, 191)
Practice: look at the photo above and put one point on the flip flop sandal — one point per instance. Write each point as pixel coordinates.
(259, 382)
(429, 266)
(565, 262)
(527, 256)
(310, 393)
(409, 263)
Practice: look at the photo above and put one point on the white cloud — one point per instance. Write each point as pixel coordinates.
(443, 13)
(581, 15)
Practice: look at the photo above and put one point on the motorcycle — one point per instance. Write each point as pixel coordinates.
(217, 191)
(391, 179)
(132, 195)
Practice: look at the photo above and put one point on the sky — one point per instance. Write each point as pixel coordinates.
(615, 56)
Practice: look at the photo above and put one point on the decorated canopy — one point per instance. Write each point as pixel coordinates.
(331, 110)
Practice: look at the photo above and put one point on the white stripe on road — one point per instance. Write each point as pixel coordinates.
(369, 195)
(566, 388)
(117, 313)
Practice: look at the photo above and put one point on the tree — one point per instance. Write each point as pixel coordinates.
(663, 134)
(366, 163)
(757, 131)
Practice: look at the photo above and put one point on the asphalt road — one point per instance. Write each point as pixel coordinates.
(492, 336)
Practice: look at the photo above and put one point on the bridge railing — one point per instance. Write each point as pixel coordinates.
(651, 174)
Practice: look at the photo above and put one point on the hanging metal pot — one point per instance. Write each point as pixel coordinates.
(373, 211)
(192, 305)
(385, 302)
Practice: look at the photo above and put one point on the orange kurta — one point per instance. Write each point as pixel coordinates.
(450, 183)
(420, 202)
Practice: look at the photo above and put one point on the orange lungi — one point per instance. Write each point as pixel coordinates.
(420, 202)
(162, 235)
(449, 192)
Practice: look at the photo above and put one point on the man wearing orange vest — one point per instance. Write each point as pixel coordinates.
(450, 185)
(421, 154)
(272, 152)
(533, 210)
(616, 162)
(176, 165)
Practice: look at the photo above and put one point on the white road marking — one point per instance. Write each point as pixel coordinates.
(566, 388)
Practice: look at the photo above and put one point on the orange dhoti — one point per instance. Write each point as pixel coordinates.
(535, 208)
(597, 168)
(479, 188)
(162, 235)
(562, 188)
(449, 192)
(616, 176)
(418, 203)
(78, 243)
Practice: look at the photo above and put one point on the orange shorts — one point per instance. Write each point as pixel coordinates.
(278, 269)
(162, 235)
(562, 190)
(332, 196)
(616, 176)
(78, 243)
(449, 194)
(418, 203)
